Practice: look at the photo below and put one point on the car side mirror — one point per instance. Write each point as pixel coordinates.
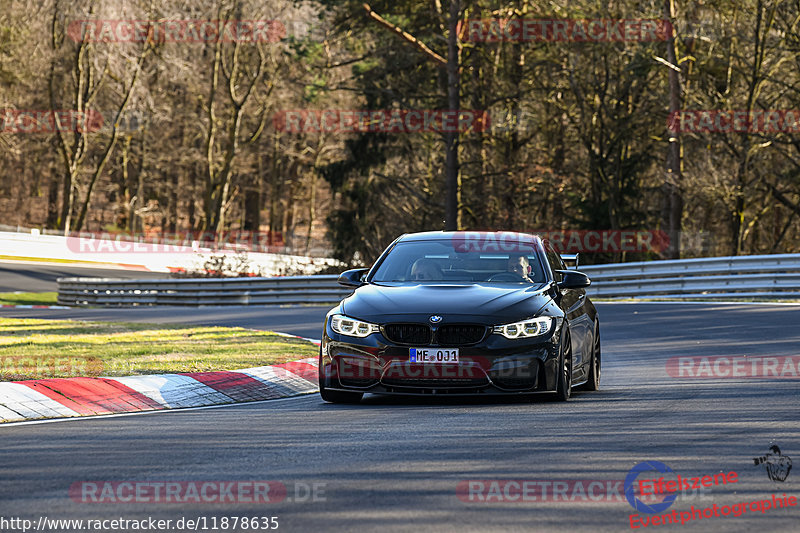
(572, 279)
(353, 278)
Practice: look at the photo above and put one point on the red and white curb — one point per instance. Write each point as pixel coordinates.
(312, 341)
(74, 397)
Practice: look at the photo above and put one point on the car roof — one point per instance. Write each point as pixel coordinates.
(471, 235)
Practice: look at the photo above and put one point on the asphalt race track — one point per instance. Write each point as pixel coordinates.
(297, 320)
(395, 464)
(41, 277)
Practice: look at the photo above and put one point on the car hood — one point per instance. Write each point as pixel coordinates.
(454, 302)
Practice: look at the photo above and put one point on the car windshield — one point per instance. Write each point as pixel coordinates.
(445, 260)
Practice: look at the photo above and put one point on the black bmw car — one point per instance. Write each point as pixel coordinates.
(462, 313)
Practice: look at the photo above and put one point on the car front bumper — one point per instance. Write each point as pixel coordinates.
(495, 366)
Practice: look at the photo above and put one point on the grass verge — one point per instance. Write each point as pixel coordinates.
(28, 298)
(36, 349)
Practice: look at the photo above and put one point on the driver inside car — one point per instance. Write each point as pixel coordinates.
(520, 266)
(425, 270)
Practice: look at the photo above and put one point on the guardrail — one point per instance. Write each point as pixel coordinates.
(754, 276)
(758, 277)
(195, 292)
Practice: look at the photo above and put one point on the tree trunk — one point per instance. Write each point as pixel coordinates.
(452, 177)
(672, 209)
(52, 198)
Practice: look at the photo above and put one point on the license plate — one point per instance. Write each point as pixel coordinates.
(434, 355)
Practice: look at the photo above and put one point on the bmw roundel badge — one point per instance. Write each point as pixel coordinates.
(435, 319)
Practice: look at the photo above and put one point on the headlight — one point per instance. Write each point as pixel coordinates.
(351, 327)
(535, 327)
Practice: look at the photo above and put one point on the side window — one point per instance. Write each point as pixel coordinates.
(555, 262)
(537, 270)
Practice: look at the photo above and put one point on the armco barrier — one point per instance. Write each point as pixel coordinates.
(195, 292)
(758, 277)
(754, 276)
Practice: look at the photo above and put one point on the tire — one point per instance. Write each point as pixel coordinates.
(335, 396)
(564, 381)
(594, 371)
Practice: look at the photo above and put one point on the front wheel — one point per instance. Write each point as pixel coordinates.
(335, 396)
(594, 369)
(564, 382)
